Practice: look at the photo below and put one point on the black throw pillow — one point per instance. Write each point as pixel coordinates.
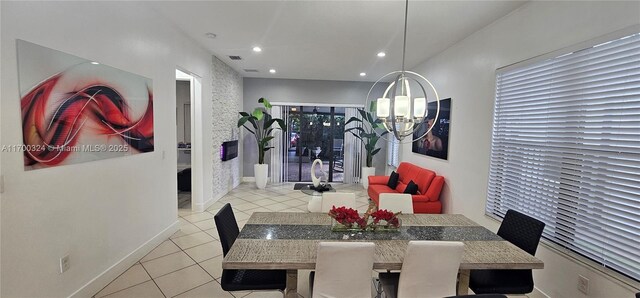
(412, 188)
(393, 180)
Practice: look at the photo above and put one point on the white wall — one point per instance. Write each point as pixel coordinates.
(98, 212)
(466, 73)
(302, 92)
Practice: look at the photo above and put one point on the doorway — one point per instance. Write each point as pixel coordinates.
(314, 132)
(183, 138)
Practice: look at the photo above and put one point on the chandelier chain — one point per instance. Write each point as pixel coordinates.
(405, 117)
(404, 42)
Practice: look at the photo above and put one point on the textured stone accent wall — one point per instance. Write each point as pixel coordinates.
(227, 101)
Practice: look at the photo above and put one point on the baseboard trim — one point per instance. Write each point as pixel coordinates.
(248, 179)
(202, 207)
(537, 293)
(103, 279)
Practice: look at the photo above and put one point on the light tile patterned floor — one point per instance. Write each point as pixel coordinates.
(189, 263)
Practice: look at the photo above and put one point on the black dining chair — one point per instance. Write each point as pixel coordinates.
(480, 296)
(243, 280)
(524, 232)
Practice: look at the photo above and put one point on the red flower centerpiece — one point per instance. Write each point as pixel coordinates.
(385, 219)
(347, 217)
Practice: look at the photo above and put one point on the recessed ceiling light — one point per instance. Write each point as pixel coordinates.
(95, 63)
(362, 74)
(210, 35)
(381, 54)
(257, 49)
(272, 70)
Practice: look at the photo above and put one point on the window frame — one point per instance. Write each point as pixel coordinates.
(611, 274)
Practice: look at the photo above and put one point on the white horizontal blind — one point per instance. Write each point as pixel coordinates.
(353, 149)
(393, 148)
(566, 150)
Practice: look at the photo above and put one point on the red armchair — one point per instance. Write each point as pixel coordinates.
(429, 186)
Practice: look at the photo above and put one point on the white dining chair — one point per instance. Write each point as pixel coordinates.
(396, 202)
(429, 269)
(338, 199)
(343, 269)
(315, 204)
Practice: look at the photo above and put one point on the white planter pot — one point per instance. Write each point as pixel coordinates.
(366, 172)
(261, 173)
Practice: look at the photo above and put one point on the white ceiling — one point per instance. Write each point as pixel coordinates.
(329, 40)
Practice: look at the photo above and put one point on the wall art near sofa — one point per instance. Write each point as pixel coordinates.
(436, 142)
(75, 110)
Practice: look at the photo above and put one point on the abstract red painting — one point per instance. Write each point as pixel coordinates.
(76, 110)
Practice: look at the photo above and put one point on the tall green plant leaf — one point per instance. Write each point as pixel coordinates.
(251, 131)
(254, 122)
(357, 136)
(373, 106)
(261, 121)
(243, 120)
(265, 102)
(352, 119)
(258, 114)
(370, 135)
(266, 140)
(367, 134)
(363, 113)
(370, 119)
(357, 128)
(281, 123)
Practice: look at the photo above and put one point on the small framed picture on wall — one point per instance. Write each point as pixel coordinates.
(436, 142)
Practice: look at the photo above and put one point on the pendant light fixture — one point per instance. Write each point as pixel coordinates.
(403, 113)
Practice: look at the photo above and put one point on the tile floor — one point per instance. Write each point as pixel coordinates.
(189, 263)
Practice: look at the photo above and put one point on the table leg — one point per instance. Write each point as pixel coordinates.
(463, 281)
(292, 284)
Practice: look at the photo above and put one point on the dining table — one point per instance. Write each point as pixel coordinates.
(288, 241)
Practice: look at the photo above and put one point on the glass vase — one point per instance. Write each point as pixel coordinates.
(338, 227)
(384, 226)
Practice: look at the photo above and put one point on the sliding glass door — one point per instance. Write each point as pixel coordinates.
(314, 133)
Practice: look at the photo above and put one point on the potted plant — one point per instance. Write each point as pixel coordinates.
(369, 137)
(261, 124)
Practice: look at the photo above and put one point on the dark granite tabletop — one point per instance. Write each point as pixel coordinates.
(323, 232)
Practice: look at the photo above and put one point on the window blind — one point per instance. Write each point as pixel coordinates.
(393, 148)
(566, 150)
